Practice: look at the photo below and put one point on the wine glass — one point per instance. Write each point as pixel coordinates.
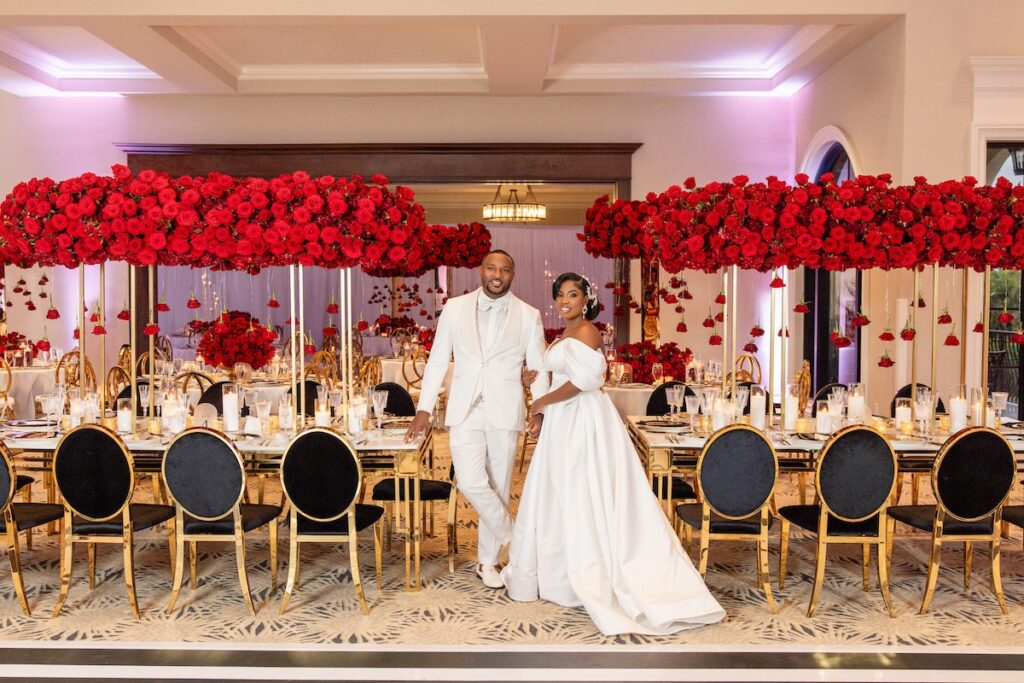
(999, 399)
(144, 398)
(674, 396)
(657, 372)
(708, 397)
(336, 397)
(380, 399)
(923, 405)
(158, 399)
(714, 371)
(618, 370)
(693, 402)
(742, 393)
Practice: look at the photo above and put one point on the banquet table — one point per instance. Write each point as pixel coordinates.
(629, 399)
(675, 451)
(381, 451)
(391, 371)
(376, 345)
(26, 384)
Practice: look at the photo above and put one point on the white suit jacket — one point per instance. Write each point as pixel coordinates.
(495, 372)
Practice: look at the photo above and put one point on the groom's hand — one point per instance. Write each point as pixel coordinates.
(418, 427)
(533, 427)
(528, 376)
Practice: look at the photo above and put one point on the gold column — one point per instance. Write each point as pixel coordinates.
(963, 333)
(291, 345)
(913, 342)
(984, 344)
(784, 344)
(101, 321)
(733, 295)
(935, 329)
(132, 341)
(151, 273)
(81, 328)
(302, 351)
(771, 356)
(725, 329)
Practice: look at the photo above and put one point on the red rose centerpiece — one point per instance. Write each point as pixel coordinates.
(236, 337)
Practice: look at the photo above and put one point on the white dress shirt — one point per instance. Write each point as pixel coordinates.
(490, 314)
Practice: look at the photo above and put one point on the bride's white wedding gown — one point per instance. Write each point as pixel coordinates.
(589, 530)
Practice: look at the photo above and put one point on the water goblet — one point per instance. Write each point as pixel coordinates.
(708, 397)
(263, 414)
(657, 372)
(335, 398)
(923, 408)
(144, 398)
(158, 399)
(742, 393)
(380, 399)
(693, 403)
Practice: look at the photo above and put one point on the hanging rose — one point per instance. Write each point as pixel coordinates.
(887, 336)
(757, 331)
(908, 333)
(777, 283)
(94, 316)
(709, 322)
(979, 327)
(125, 314)
(21, 282)
(802, 307)
(945, 318)
(43, 345)
(362, 326)
(1005, 318)
(17, 290)
(679, 309)
(30, 305)
(99, 330)
(43, 295)
(330, 331)
(750, 346)
(920, 300)
(383, 320)
(720, 299)
(43, 280)
(193, 302)
(951, 340)
(681, 328)
(1018, 337)
(74, 335)
(719, 317)
(860, 320)
(310, 349)
(715, 340)
(885, 361)
(273, 303)
(162, 307)
(779, 333)
(687, 295)
(151, 330)
(839, 341)
(332, 308)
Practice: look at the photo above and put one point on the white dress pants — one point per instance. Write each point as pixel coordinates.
(484, 457)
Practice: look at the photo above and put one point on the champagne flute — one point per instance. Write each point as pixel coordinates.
(380, 399)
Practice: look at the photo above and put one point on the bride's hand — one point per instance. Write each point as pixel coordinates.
(533, 427)
(528, 376)
(537, 407)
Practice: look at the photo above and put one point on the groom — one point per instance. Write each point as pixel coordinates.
(490, 333)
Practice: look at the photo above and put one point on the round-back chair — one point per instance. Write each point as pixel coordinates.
(905, 392)
(309, 388)
(657, 403)
(117, 378)
(399, 403)
(6, 380)
(747, 368)
(322, 478)
(855, 477)
(370, 372)
(823, 394)
(214, 396)
(68, 364)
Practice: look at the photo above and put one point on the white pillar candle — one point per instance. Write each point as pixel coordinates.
(77, 408)
(823, 422)
(790, 412)
(231, 414)
(902, 416)
(718, 415)
(124, 420)
(355, 421)
(855, 407)
(323, 418)
(757, 415)
(957, 414)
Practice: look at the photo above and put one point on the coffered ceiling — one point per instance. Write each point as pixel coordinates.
(455, 47)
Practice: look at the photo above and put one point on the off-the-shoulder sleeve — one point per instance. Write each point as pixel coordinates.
(584, 366)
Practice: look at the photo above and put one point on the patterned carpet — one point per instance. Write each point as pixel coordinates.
(454, 608)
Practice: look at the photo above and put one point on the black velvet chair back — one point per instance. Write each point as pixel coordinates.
(822, 395)
(657, 404)
(973, 473)
(7, 477)
(93, 472)
(321, 474)
(126, 392)
(399, 401)
(204, 473)
(737, 471)
(856, 473)
(214, 395)
(904, 392)
(310, 387)
(739, 385)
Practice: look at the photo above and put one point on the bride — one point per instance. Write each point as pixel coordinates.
(589, 530)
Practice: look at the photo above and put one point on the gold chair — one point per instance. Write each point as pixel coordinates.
(527, 440)
(325, 366)
(856, 460)
(95, 478)
(330, 344)
(117, 377)
(298, 340)
(124, 357)
(972, 477)
(738, 453)
(370, 372)
(357, 347)
(68, 363)
(6, 400)
(747, 368)
(201, 380)
(163, 347)
(324, 507)
(412, 368)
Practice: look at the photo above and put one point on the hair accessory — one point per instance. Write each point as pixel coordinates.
(591, 295)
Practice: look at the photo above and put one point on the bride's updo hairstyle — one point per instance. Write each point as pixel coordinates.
(592, 308)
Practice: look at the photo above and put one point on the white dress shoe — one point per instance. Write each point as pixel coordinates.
(490, 575)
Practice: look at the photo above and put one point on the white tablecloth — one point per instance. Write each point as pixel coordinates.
(26, 384)
(391, 371)
(375, 345)
(630, 399)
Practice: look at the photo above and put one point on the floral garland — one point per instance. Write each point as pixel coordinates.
(642, 355)
(861, 223)
(236, 337)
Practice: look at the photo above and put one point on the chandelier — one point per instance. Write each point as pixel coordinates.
(512, 210)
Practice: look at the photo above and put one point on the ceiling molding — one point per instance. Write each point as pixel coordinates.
(27, 53)
(997, 73)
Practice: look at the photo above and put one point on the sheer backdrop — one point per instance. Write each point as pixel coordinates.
(542, 253)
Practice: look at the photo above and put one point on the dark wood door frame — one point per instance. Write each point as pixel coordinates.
(609, 163)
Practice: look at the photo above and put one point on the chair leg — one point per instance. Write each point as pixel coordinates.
(388, 525)
(453, 544)
(703, 562)
(890, 534)
(883, 577)
(129, 566)
(899, 490)
(193, 561)
(261, 485)
(243, 576)
(179, 565)
(14, 555)
(521, 457)
(865, 555)
(997, 581)
(66, 563)
(783, 552)
(915, 483)
(820, 557)
(293, 567)
(377, 557)
(933, 573)
(26, 497)
(273, 555)
(357, 582)
(801, 479)
(968, 546)
(92, 565)
(766, 582)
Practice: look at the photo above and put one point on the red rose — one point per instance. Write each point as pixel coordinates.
(362, 326)
(720, 299)
(709, 322)
(52, 314)
(162, 307)
(757, 331)
(193, 302)
(1005, 318)
(273, 303)
(750, 347)
(840, 341)
(310, 349)
(330, 331)
(715, 340)
(979, 327)
(99, 330)
(777, 283)
(951, 340)
(907, 334)
(860, 320)
(1017, 337)
(125, 314)
(945, 318)
(720, 317)
(887, 336)
(885, 361)
(681, 328)
(801, 307)
(151, 330)
(332, 308)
